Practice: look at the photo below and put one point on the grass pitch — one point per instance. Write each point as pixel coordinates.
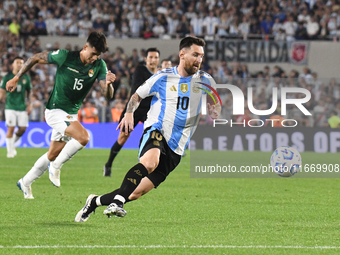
(183, 216)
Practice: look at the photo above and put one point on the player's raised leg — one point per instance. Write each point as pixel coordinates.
(81, 138)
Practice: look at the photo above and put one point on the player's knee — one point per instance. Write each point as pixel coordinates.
(84, 139)
(51, 155)
(20, 132)
(122, 138)
(150, 165)
(135, 195)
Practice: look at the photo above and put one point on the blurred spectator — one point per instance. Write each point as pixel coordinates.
(290, 27)
(136, 25)
(72, 28)
(14, 28)
(324, 32)
(280, 36)
(191, 14)
(183, 28)
(85, 25)
(312, 28)
(233, 28)
(315, 82)
(51, 24)
(40, 26)
(266, 72)
(278, 13)
(173, 23)
(210, 24)
(122, 94)
(196, 26)
(98, 24)
(320, 114)
(223, 25)
(111, 26)
(306, 75)
(89, 113)
(332, 25)
(147, 30)
(61, 25)
(267, 25)
(277, 26)
(35, 108)
(304, 16)
(166, 63)
(158, 30)
(99, 100)
(243, 27)
(334, 120)
(301, 32)
(117, 110)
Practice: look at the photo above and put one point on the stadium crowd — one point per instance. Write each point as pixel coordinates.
(21, 23)
(279, 20)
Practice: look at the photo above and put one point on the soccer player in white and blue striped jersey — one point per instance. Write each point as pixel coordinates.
(171, 121)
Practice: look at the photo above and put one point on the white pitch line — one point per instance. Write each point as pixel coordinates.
(167, 246)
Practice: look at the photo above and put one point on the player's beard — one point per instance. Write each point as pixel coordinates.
(190, 69)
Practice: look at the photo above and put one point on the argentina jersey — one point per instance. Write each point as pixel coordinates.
(175, 106)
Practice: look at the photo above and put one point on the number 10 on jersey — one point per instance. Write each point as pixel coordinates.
(183, 102)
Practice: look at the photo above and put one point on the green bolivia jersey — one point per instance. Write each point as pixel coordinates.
(73, 80)
(16, 100)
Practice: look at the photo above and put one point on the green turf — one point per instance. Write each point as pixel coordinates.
(224, 216)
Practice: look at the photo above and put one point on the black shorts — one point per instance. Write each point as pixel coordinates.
(168, 161)
(138, 116)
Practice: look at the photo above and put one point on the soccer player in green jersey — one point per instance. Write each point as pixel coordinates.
(76, 73)
(16, 110)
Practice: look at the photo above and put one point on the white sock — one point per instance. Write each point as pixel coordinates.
(37, 170)
(119, 198)
(70, 149)
(16, 138)
(9, 144)
(98, 201)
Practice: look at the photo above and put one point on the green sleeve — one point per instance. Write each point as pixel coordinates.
(57, 57)
(3, 82)
(102, 70)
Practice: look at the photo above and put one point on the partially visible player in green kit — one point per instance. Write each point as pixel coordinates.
(76, 73)
(16, 110)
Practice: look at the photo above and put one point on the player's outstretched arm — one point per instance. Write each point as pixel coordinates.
(106, 85)
(41, 58)
(126, 125)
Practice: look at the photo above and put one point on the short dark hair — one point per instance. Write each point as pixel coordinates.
(190, 40)
(97, 40)
(165, 59)
(151, 50)
(21, 58)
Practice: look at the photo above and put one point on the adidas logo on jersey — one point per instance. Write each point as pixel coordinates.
(173, 88)
(132, 180)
